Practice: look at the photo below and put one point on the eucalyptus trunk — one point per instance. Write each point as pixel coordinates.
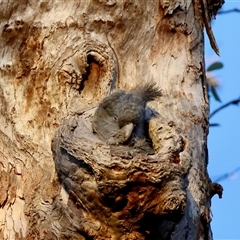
(58, 179)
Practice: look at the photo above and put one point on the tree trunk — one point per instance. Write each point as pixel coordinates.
(59, 60)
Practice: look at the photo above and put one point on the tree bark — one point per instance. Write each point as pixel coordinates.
(58, 179)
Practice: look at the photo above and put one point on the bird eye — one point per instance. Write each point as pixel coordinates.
(115, 118)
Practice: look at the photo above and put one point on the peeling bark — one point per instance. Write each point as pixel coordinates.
(58, 179)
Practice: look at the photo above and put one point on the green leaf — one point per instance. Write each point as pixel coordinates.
(215, 95)
(215, 66)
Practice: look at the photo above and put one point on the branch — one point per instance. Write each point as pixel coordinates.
(234, 102)
(227, 175)
(229, 11)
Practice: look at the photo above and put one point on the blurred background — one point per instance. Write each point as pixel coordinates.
(224, 140)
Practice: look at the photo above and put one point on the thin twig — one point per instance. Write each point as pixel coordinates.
(227, 175)
(229, 11)
(234, 102)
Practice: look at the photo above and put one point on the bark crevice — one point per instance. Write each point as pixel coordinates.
(126, 191)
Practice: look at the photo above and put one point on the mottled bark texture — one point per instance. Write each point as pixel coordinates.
(58, 60)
